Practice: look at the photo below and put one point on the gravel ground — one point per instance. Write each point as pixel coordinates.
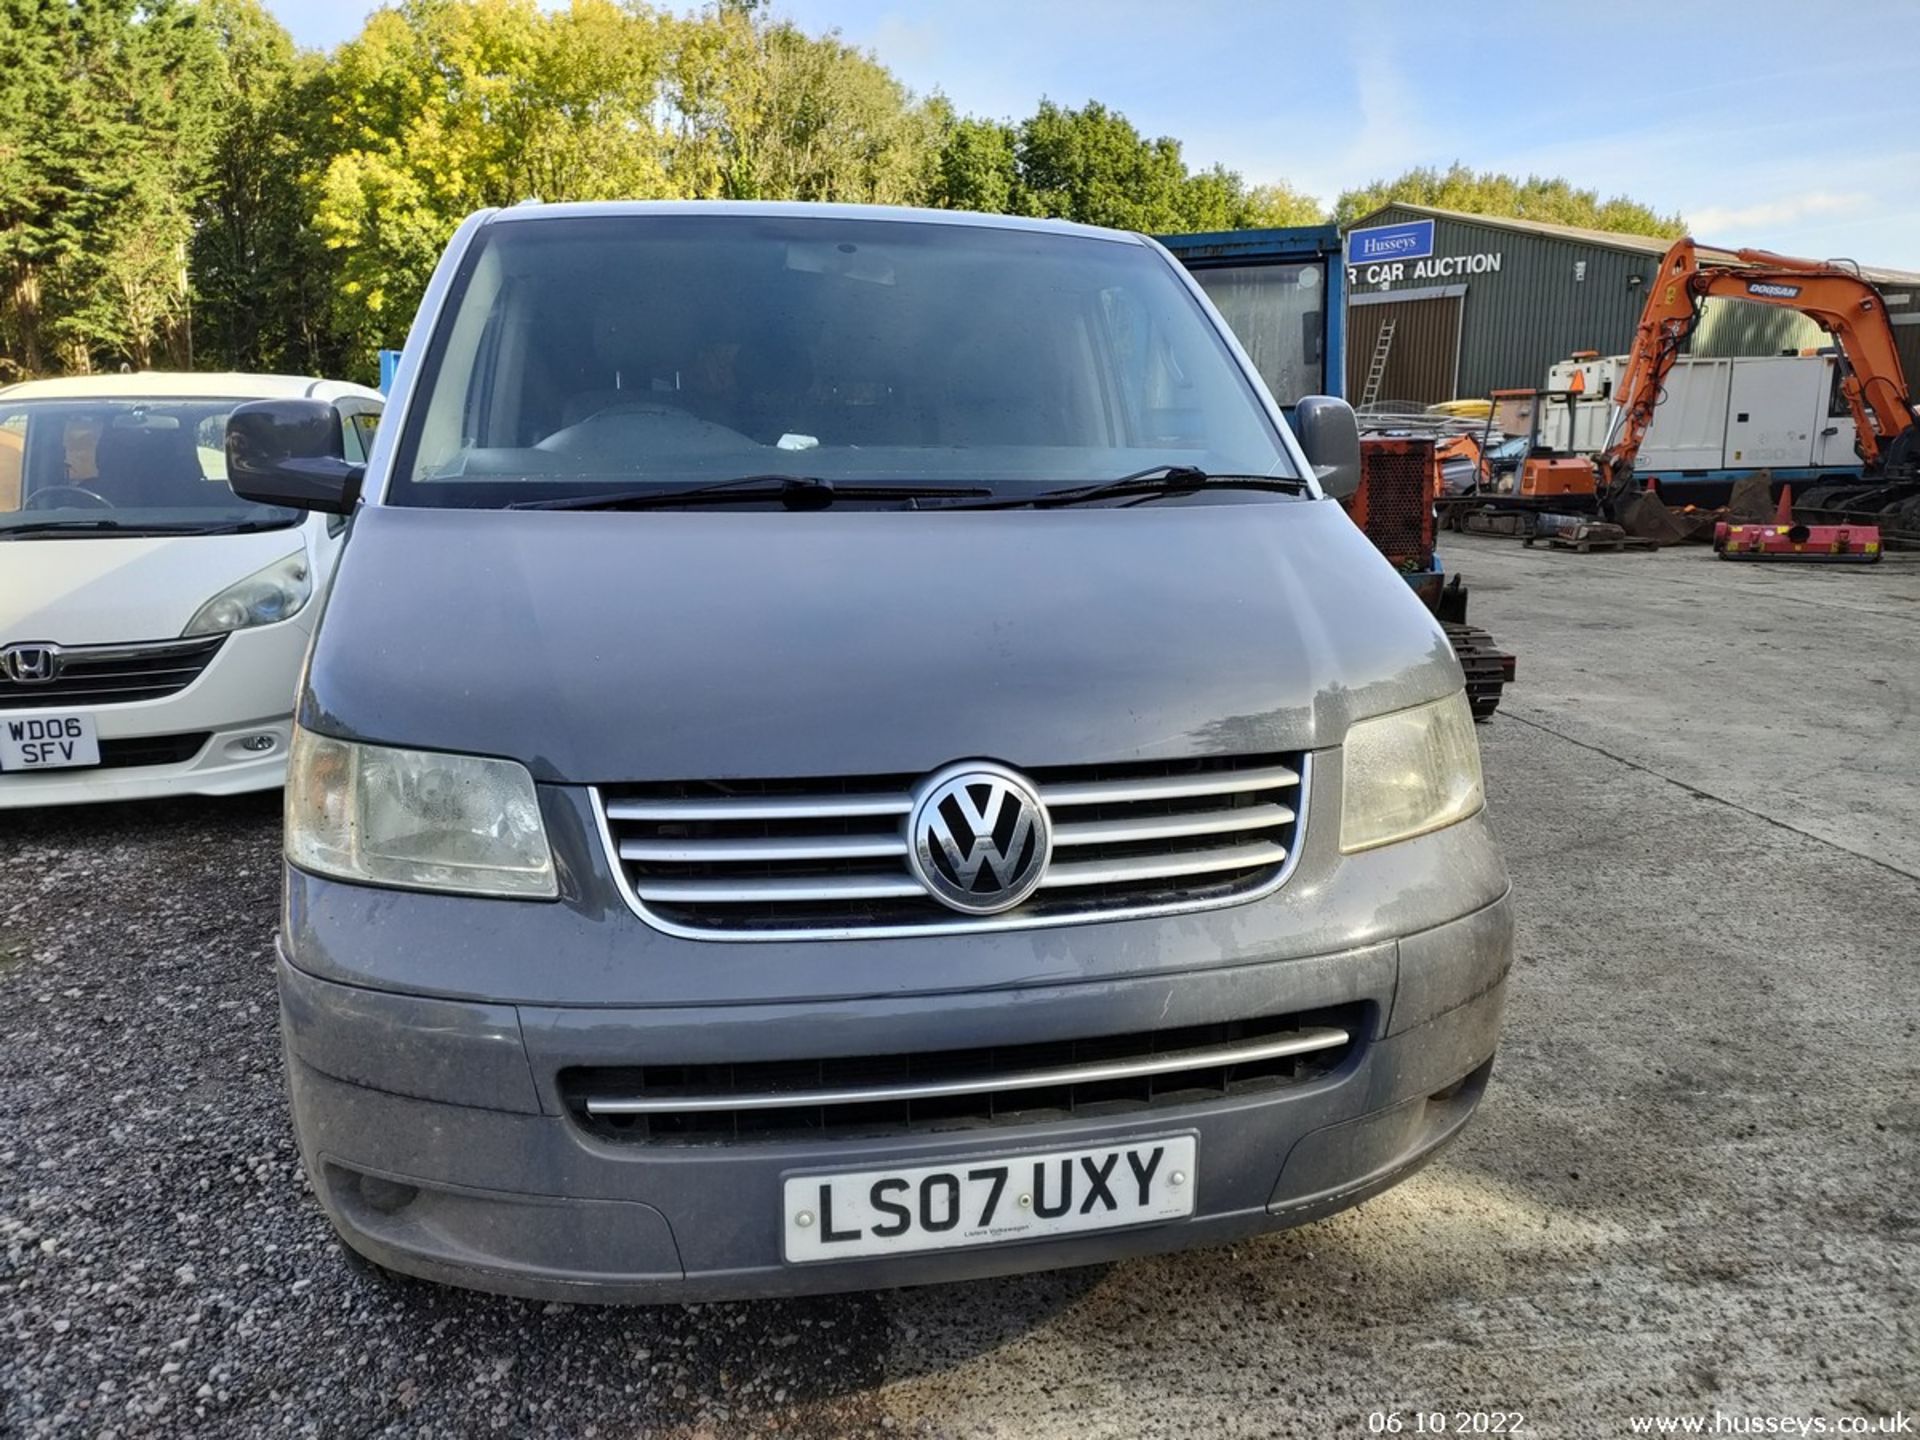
(165, 1268)
(1693, 1185)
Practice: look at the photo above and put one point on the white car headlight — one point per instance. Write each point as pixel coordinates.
(417, 819)
(263, 597)
(1408, 773)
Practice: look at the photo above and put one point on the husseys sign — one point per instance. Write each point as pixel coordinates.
(1396, 254)
(1377, 243)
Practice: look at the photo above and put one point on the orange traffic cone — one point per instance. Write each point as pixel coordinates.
(1784, 515)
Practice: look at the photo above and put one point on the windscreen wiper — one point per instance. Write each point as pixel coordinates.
(96, 527)
(47, 527)
(796, 492)
(1148, 484)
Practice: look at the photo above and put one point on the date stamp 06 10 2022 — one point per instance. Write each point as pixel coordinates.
(1446, 1422)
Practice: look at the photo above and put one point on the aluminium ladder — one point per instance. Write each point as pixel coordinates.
(1376, 372)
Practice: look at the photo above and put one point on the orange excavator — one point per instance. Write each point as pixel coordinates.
(1837, 299)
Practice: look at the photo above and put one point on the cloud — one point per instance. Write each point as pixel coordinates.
(1388, 128)
(1391, 129)
(905, 42)
(1785, 210)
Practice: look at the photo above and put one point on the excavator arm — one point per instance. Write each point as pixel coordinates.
(1840, 302)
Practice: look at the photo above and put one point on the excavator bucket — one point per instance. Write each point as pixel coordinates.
(1646, 517)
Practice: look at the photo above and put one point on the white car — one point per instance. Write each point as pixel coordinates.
(152, 623)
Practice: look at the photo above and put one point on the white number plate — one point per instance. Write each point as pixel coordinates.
(48, 742)
(986, 1201)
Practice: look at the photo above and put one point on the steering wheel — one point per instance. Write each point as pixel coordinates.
(94, 496)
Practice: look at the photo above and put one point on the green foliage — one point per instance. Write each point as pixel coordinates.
(440, 108)
(1091, 165)
(1490, 193)
(766, 112)
(262, 279)
(109, 114)
(1278, 205)
(975, 168)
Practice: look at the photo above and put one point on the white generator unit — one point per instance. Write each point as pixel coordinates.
(1773, 412)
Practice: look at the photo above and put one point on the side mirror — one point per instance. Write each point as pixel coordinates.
(1327, 431)
(291, 452)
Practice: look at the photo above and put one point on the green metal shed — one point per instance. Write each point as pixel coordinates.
(1474, 303)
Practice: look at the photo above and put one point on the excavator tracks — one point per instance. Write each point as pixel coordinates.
(1487, 667)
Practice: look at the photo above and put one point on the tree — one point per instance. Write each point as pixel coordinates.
(1212, 199)
(31, 194)
(107, 129)
(1093, 166)
(1218, 199)
(262, 278)
(442, 107)
(1276, 205)
(765, 111)
(975, 168)
(1491, 193)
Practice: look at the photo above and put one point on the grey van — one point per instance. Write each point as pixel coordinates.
(852, 747)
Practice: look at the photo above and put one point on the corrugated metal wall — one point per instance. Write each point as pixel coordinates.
(1516, 323)
(1734, 327)
(1907, 339)
(1426, 339)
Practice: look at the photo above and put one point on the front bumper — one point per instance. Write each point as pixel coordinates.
(246, 692)
(437, 1139)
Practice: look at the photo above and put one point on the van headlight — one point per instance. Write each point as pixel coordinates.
(1408, 773)
(417, 819)
(275, 593)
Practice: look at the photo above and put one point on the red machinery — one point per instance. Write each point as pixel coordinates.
(1785, 540)
(1858, 544)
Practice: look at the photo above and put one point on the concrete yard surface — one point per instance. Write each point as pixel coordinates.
(1790, 690)
(1694, 1185)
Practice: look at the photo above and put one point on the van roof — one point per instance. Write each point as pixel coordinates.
(797, 209)
(186, 385)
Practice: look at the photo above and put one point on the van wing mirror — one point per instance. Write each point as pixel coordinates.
(1329, 434)
(291, 452)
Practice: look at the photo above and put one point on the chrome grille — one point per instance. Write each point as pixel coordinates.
(814, 858)
(113, 674)
(942, 1090)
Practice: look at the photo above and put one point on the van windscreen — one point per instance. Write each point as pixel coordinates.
(579, 352)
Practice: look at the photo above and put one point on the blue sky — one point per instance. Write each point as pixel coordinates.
(1768, 123)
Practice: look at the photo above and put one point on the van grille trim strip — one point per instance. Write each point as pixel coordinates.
(1302, 1042)
(783, 807)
